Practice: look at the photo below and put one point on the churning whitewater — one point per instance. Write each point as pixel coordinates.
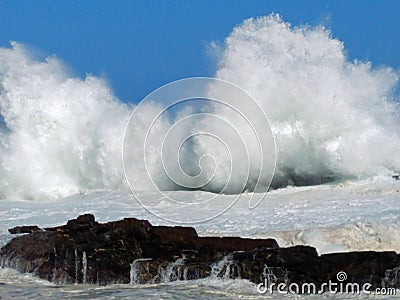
(332, 117)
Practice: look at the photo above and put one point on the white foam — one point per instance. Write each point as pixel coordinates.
(330, 116)
(62, 135)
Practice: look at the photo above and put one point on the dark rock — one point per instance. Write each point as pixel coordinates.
(359, 266)
(131, 250)
(106, 251)
(24, 229)
(290, 177)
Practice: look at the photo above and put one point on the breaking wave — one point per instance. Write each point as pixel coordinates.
(332, 118)
(60, 135)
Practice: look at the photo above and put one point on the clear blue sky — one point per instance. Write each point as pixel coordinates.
(141, 45)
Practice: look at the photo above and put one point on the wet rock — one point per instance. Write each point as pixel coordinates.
(361, 267)
(131, 250)
(290, 177)
(24, 229)
(84, 250)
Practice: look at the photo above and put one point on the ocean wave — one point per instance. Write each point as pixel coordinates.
(331, 118)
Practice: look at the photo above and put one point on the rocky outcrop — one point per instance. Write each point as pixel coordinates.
(24, 229)
(85, 251)
(291, 178)
(131, 250)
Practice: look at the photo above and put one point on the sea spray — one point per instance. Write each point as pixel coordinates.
(226, 268)
(176, 270)
(76, 267)
(84, 267)
(332, 118)
(60, 135)
(135, 271)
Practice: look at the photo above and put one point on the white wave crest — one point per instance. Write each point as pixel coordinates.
(60, 135)
(331, 117)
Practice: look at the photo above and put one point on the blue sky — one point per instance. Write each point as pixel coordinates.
(141, 45)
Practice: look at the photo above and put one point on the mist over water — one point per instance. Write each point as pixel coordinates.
(331, 117)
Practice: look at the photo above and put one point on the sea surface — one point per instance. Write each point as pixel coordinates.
(346, 216)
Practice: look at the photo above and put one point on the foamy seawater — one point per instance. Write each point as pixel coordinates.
(330, 117)
(61, 139)
(348, 216)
